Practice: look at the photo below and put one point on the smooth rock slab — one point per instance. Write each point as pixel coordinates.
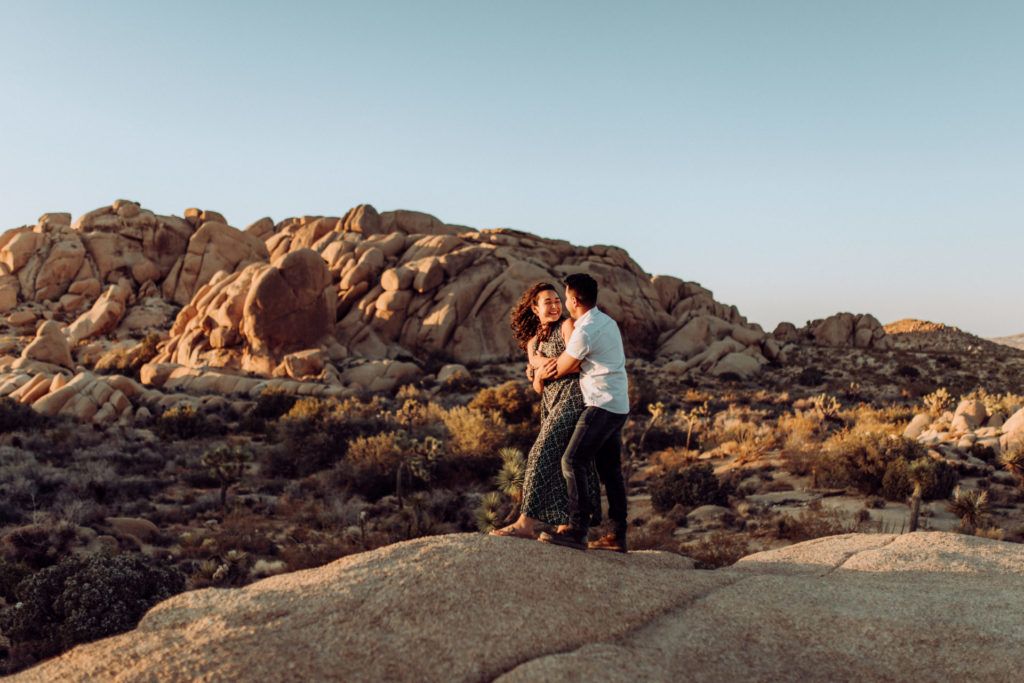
(927, 606)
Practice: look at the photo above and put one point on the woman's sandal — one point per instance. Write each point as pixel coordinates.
(511, 530)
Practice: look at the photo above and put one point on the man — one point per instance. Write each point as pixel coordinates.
(595, 351)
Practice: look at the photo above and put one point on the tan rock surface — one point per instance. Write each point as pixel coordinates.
(471, 608)
(49, 346)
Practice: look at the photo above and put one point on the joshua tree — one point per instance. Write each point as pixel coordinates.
(692, 417)
(657, 411)
(922, 475)
(1013, 461)
(227, 463)
(970, 506)
(510, 479)
(416, 456)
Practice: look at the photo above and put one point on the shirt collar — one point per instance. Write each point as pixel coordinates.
(587, 316)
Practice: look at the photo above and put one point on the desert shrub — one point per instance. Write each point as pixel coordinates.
(689, 486)
(720, 549)
(513, 401)
(11, 574)
(812, 522)
(810, 376)
(897, 485)
(273, 402)
(15, 416)
(983, 452)
(38, 545)
(860, 459)
(475, 434)
(370, 465)
(312, 436)
(185, 422)
(908, 371)
(80, 600)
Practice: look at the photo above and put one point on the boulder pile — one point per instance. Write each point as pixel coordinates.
(861, 331)
(359, 302)
(971, 437)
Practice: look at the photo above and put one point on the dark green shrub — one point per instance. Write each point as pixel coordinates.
(17, 417)
(810, 376)
(273, 402)
(908, 371)
(690, 486)
(11, 574)
(311, 437)
(185, 422)
(80, 600)
(897, 486)
(861, 459)
(982, 452)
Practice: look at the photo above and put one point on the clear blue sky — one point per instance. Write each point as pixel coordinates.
(797, 158)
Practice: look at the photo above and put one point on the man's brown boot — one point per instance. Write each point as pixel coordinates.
(616, 542)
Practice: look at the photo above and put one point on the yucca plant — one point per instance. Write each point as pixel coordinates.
(972, 507)
(510, 478)
(1013, 461)
(488, 515)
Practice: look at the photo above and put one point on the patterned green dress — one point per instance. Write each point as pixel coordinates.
(544, 494)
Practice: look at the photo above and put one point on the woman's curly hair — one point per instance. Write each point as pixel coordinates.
(525, 323)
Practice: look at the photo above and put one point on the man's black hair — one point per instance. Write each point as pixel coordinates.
(584, 287)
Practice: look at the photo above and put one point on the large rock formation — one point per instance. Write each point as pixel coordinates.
(862, 331)
(472, 608)
(316, 297)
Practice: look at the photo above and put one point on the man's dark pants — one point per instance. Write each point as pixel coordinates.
(598, 437)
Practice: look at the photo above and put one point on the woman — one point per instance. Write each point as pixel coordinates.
(540, 329)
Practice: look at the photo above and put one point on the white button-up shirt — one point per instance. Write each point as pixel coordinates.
(596, 342)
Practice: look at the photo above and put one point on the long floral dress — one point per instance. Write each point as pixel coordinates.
(544, 493)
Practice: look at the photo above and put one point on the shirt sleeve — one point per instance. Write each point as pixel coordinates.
(578, 346)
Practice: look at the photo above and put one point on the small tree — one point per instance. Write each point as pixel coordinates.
(921, 475)
(971, 507)
(227, 464)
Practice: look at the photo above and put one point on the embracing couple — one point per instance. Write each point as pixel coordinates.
(578, 366)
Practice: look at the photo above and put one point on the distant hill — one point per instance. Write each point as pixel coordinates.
(1015, 341)
(921, 335)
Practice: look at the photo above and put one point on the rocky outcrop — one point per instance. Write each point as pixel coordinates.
(425, 610)
(920, 335)
(861, 331)
(364, 301)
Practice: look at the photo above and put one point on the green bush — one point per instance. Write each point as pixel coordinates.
(810, 376)
(17, 417)
(80, 600)
(184, 422)
(11, 574)
(861, 459)
(312, 436)
(897, 486)
(690, 486)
